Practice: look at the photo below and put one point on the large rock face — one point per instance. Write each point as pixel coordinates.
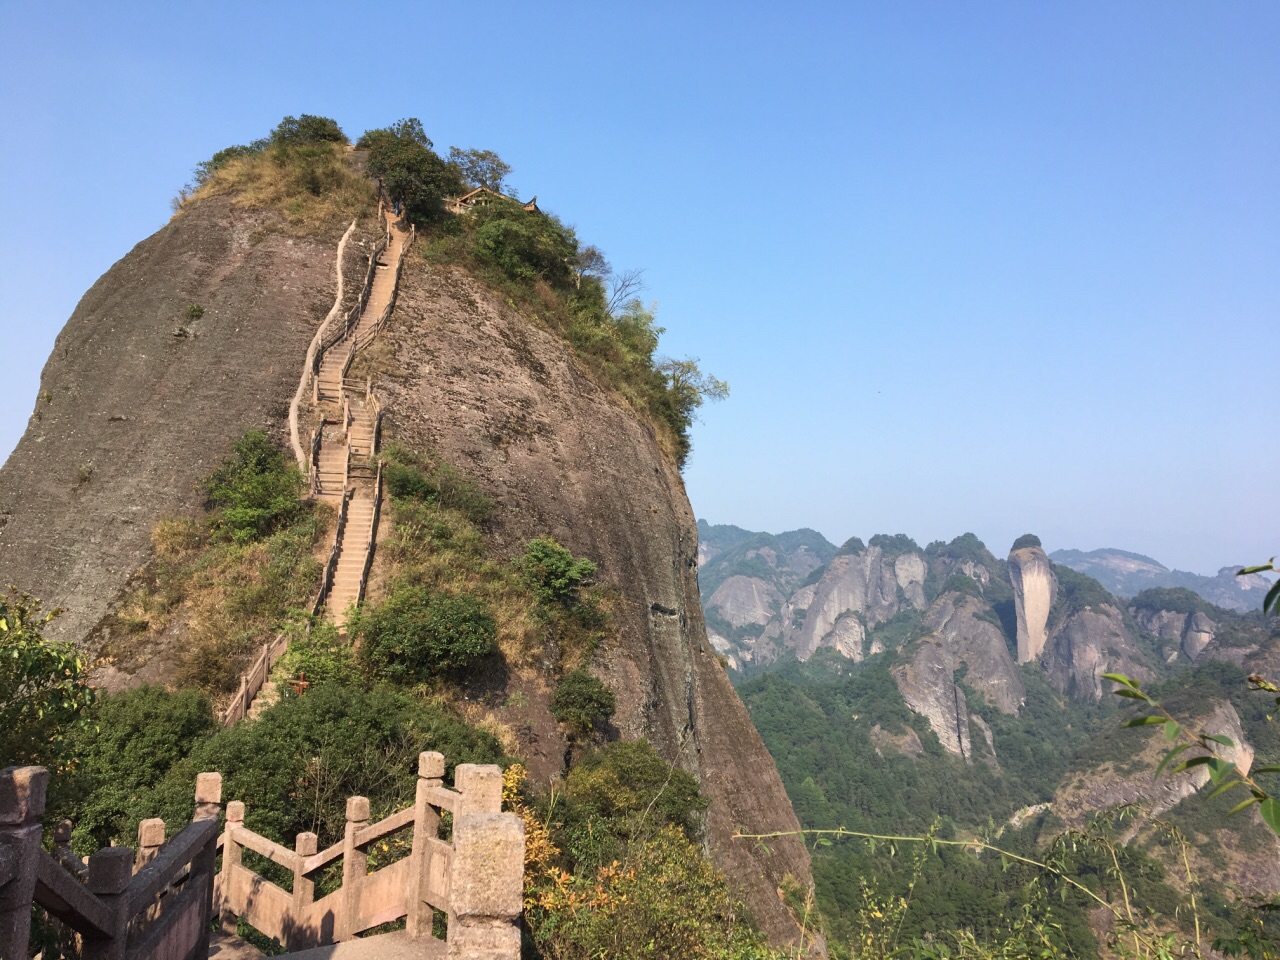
(1191, 632)
(857, 591)
(503, 401)
(138, 402)
(1034, 590)
(147, 415)
(962, 639)
(967, 628)
(1088, 644)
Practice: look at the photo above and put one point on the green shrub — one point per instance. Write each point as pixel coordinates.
(413, 476)
(582, 702)
(628, 789)
(44, 685)
(1026, 540)
(320, 655)
(662, 899)
(418, 633)
(552, 573)
(254, 491)
(524, 244)
(308, 129)
(133, 739)
(298, 762)
(401, 157)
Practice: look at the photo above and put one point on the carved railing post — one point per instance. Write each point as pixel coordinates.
(150, 840)
(203, 864)
(486, 886)
(426, 827)
(480, 786)
(304, 889)
(355, 866)
(487, 874)
(110, 871)
(230, 860)
(22, 799)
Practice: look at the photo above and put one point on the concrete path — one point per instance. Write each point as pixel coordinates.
(388, 946)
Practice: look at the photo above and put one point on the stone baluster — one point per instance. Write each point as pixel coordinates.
(231, 879)
(486, 886)
(22, 800)
(203, 864)
(304, 888)
(487, 874)
(355, 867)
(426, 827)
(150, 840)
(110, 871)
(480, 786)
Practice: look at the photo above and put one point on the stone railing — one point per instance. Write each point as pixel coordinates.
(253, 679)
(328, 337)
(367, 335)
(373, 537)
(331, 565)
(312, 348)
(474, 878)
(157, 906)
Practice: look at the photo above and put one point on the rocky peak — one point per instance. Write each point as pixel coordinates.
(856, 592)
(1034, 590)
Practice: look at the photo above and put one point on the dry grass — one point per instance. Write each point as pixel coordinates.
(226, 598)
(439, 548)
(314, 186)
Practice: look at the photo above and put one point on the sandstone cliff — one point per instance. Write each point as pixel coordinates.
(138, 401)
(1034, 590)
(137, 416)
(962, 641)
(500, 398)
(857, 591)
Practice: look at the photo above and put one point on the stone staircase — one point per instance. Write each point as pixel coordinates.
(346, 468)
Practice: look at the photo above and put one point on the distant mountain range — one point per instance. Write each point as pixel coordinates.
(1128, 574)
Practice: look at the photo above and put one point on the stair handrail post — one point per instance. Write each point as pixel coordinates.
(204, 863)
(110, 871)
(426, 827)
(22, 802)
(355, 867)
(304, 888)
(485, 885)
(230, 861)
(150, 840)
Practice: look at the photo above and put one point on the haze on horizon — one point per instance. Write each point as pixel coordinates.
(1003, 268)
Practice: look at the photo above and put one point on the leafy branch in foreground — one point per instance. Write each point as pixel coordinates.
(1127, 916)
(1272, 599)
(1224, 774)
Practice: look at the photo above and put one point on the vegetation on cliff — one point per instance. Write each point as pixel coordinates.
(617, 840)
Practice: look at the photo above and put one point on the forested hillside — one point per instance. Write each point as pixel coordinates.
(947, 697)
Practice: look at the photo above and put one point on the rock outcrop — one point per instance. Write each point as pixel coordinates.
(1089, 643)
(138, 401)
(857, 591)
(504, 401)
(965, 628)
(962, 641)
(1191, 632)
(928, 686)
(136, 417)
(1034, 590)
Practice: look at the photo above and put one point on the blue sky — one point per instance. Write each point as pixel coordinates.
(999, 267)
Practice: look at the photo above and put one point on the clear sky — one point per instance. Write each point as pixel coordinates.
(1000, 267)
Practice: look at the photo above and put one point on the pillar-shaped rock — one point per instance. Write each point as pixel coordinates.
(1034, 590)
